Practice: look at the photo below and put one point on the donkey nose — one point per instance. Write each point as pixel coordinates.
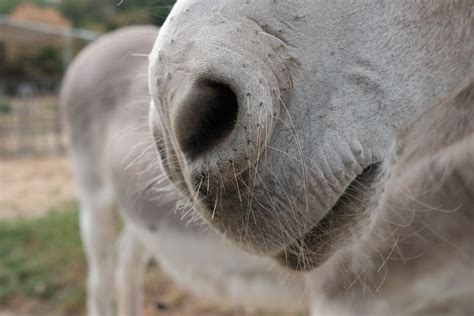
(206, 117)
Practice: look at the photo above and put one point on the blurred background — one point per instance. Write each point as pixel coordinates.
(42, 267)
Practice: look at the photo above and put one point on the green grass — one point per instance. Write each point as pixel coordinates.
(42, 264)
(5, 106)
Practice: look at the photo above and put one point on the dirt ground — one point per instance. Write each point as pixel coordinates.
(30, 187)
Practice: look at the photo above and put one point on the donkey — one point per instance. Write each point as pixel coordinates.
(117, 169)
(277, 122)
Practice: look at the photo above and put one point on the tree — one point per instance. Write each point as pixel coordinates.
(95, 13)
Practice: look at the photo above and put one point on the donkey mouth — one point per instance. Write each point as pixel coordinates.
(316, 246)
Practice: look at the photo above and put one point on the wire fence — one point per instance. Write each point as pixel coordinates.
(30, 124)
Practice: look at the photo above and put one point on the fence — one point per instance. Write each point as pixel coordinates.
(30, 124)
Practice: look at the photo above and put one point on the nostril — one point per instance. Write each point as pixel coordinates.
(207, 115)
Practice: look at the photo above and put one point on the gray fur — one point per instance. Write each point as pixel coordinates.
(323, 88)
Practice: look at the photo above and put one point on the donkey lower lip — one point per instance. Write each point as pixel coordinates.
(317, 242)
(316, 246)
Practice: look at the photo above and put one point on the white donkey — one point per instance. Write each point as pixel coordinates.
(280, 118)
(105, 99)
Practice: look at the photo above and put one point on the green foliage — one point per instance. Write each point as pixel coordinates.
(36, 64)
(43, 62)
(159, 10)
(5, 106)
(139, 16)
(7, 5)
(96, 14)
(86, 12)
(42, 259)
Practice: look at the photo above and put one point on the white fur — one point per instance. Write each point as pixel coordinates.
(323, 89)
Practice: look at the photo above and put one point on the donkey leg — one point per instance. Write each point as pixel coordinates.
(131, 266)
(98, 221)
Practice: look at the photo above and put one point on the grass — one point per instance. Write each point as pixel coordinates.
(42, 266)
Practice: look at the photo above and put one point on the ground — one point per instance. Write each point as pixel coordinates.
(31, 187)
(42, 267)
